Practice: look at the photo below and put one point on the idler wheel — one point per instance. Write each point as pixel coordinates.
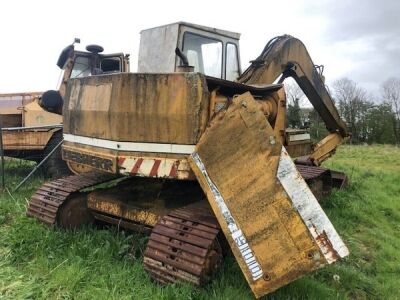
(74, 212)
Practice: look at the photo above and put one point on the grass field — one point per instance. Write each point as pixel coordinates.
(48, 263)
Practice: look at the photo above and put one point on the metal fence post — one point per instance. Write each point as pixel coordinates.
(3, 185)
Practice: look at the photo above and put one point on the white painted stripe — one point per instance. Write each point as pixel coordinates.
(128, 164)
(309, 209)
(165, 168)
(130, 146)
(146, 167)
(236, 233)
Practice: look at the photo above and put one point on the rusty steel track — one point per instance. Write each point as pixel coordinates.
(338, 179)
(311, 172)
(48, 199)
(183, 246)
(318, 179)
(322, 180)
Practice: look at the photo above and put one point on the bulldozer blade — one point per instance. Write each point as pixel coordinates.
(273, 223)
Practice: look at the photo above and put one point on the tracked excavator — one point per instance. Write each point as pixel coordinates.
(195, 153)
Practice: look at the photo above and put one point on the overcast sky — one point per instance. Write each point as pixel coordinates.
(356, 39)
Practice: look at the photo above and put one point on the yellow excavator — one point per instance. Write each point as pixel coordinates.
(196, 154)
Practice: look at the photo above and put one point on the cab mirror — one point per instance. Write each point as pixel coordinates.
(65, 54)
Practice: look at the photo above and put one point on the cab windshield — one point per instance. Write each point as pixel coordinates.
(81, 67)
(204, 53)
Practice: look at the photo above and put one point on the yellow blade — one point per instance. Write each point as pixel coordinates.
(272, 221)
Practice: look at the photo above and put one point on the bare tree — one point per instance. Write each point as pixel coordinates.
(295, 97)
(293, 92)
(353, 104)
(391, 94)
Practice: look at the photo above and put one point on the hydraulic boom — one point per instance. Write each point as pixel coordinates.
(287, 56)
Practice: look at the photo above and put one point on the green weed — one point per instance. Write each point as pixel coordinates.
(40, 262)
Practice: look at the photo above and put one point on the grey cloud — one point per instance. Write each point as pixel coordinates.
(358, 19)
(375, 24)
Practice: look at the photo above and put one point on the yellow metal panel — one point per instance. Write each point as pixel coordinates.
(159, 108)
(96, 160)
(27, 139)
(271, 220)
(34, 115)
(102, 202)
(97, 98)
(326, 147)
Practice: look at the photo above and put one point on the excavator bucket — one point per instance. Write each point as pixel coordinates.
(273, 223)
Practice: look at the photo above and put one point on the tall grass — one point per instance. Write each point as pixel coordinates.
(40, 262)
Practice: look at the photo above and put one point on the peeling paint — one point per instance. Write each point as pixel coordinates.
(318, 224)
(236, 233)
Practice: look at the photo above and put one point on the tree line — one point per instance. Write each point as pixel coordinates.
(370, 119)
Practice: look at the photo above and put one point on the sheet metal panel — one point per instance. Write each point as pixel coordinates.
(273, 223)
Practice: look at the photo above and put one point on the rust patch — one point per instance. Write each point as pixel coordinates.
(324, 242)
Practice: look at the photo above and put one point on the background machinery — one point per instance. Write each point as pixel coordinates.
(196, 154)
(29, 131)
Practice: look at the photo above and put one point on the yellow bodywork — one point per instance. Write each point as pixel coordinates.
(27, 139)
(102, 114)
(22, 110)
(326, 147)
(175, 126)
(34, 115)
(170, 108)
(287, 56)
(180, 143)
(147, 213)
(145, 201)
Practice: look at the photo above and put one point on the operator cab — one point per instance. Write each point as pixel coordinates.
(91, 62)
(77, 64)
(210, 51)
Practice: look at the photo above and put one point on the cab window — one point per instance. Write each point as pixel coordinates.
(110, 64)
(232, 63)
(81, 67)
(205, 54)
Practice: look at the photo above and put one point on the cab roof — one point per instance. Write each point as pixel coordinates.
(230, 34)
